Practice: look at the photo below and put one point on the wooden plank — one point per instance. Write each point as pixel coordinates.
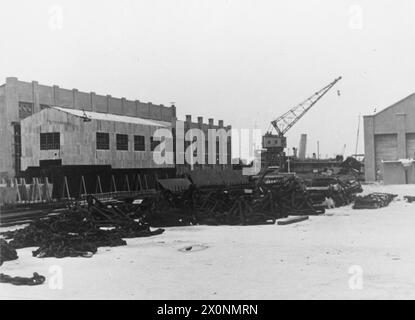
(291, 219)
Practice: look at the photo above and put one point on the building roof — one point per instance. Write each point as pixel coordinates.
(113, 117)
(391, 106)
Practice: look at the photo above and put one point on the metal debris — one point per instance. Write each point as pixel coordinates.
(227, 199)
(373, 200)
(341, 191)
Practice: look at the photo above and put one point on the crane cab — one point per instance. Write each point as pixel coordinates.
(273, 146)
(271, 141)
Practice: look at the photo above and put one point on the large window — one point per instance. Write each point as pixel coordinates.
(154, 143)
(122, 142)
(103, 141)
(50, 141)
(25, 109)
(139, 143)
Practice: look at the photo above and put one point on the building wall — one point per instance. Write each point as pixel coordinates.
(399, 120)
(78, 141)
(8, 114)
(14, 91)
(5, 141)
(188, 125)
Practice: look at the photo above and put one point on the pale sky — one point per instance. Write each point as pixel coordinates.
(245, 62)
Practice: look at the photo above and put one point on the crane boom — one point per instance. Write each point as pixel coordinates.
(283, 123)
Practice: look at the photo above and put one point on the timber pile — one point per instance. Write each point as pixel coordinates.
(79, 231)
(373, 200)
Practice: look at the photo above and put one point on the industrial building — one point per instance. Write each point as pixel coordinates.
(64, 136)
(48, 126)
(390, 143)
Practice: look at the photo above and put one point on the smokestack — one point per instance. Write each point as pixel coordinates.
(210, 122)
(188, 118)
(303, 146)
(220, 123)
(200, 120)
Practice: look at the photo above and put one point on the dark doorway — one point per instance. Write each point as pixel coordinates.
(50, 163)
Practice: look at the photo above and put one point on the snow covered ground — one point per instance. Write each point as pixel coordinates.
(344, 254)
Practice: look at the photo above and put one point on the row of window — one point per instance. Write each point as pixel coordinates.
(121, 140)
(51, 141)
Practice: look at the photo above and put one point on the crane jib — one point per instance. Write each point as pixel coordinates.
(283, 123)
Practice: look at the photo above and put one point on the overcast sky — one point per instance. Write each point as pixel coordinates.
(245, 62)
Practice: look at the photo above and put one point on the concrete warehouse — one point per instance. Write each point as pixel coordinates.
(43, 125)
(389, 139)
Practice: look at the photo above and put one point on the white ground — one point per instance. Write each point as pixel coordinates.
(307, 260)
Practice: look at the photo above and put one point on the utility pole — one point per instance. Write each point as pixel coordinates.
(357, 136)
(318, 150)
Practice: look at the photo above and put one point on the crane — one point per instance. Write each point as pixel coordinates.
(275, 143)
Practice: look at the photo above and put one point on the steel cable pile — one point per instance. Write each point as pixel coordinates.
(7, 252)
(23, 281)
(78, 232)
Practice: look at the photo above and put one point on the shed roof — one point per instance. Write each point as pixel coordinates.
(113, 117)
(411, 96)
